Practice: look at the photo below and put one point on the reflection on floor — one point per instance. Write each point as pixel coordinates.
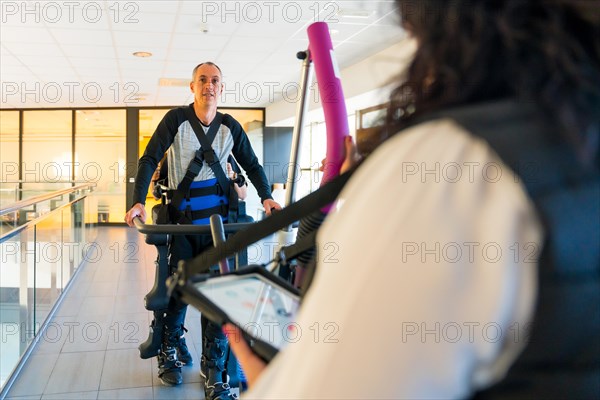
(89, 350)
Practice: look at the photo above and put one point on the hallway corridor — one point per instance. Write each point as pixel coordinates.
(89, 349)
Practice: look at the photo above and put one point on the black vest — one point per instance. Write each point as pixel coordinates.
(562, 359)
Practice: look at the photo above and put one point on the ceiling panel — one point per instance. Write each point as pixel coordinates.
(144, 63)
(141, 74)
(255, 43)
(392, 18)
(8, 60)
(81, 20)
(141, 39)
(21, 34)
(268, 29)
(249, 44)
(11, 70)
(158, 7)
(18, 78)
(344, 31)
(73, 37)
(195, 24)
(146, 22)
(199, 41)
(4, 51)
(182, 69)
(57, 74)
(87, 51)
(126, 52)
(240, 59)
(13, 17)
(89, 62)
(39, 63)
(383, 33)
(32, 49)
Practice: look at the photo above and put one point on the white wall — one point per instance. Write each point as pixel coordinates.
(366, 83)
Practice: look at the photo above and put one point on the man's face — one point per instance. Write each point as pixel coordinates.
(207, 86)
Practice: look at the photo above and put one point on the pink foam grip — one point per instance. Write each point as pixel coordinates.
(332, 97)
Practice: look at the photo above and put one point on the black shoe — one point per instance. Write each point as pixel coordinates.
(214, 370)
(219, 391)
(169, 368)
(216, 386)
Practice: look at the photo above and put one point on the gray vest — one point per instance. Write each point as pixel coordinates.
(562, 359)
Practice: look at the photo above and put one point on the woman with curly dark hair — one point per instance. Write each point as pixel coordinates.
(478, 275)
(545, 52)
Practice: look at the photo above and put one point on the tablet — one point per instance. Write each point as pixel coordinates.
(260, 303)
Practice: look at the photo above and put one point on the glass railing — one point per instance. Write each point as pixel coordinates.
(43, 241)
(14, 191)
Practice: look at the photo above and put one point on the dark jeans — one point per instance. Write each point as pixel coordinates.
(182, 247)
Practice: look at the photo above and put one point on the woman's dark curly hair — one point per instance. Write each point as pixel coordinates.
(545, 51)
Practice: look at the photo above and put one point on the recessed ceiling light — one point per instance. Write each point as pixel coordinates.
(183, 82)
(142, 54)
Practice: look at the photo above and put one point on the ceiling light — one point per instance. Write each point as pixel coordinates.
(142, 54)
(170, 82)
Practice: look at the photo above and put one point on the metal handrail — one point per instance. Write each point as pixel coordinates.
(12, 377)
(185, 229)
(29, 182)
(43, 197)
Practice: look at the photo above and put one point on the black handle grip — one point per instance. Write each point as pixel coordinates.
(218, 236)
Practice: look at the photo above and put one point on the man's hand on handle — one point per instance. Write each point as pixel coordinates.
(269, 205)
(137, 210)
(351, 156)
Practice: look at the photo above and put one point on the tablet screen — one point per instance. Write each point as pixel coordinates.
(263, 309)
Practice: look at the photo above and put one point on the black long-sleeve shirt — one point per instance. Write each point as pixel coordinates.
(175, 133)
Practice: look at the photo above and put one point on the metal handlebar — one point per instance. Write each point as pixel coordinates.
(218, 237)
(150, 229)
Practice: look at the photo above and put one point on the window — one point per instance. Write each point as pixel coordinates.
(100, 157)
(47, 155)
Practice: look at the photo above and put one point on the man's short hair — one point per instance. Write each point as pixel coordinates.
(207, 63)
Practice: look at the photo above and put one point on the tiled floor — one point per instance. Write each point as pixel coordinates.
(89, 350)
